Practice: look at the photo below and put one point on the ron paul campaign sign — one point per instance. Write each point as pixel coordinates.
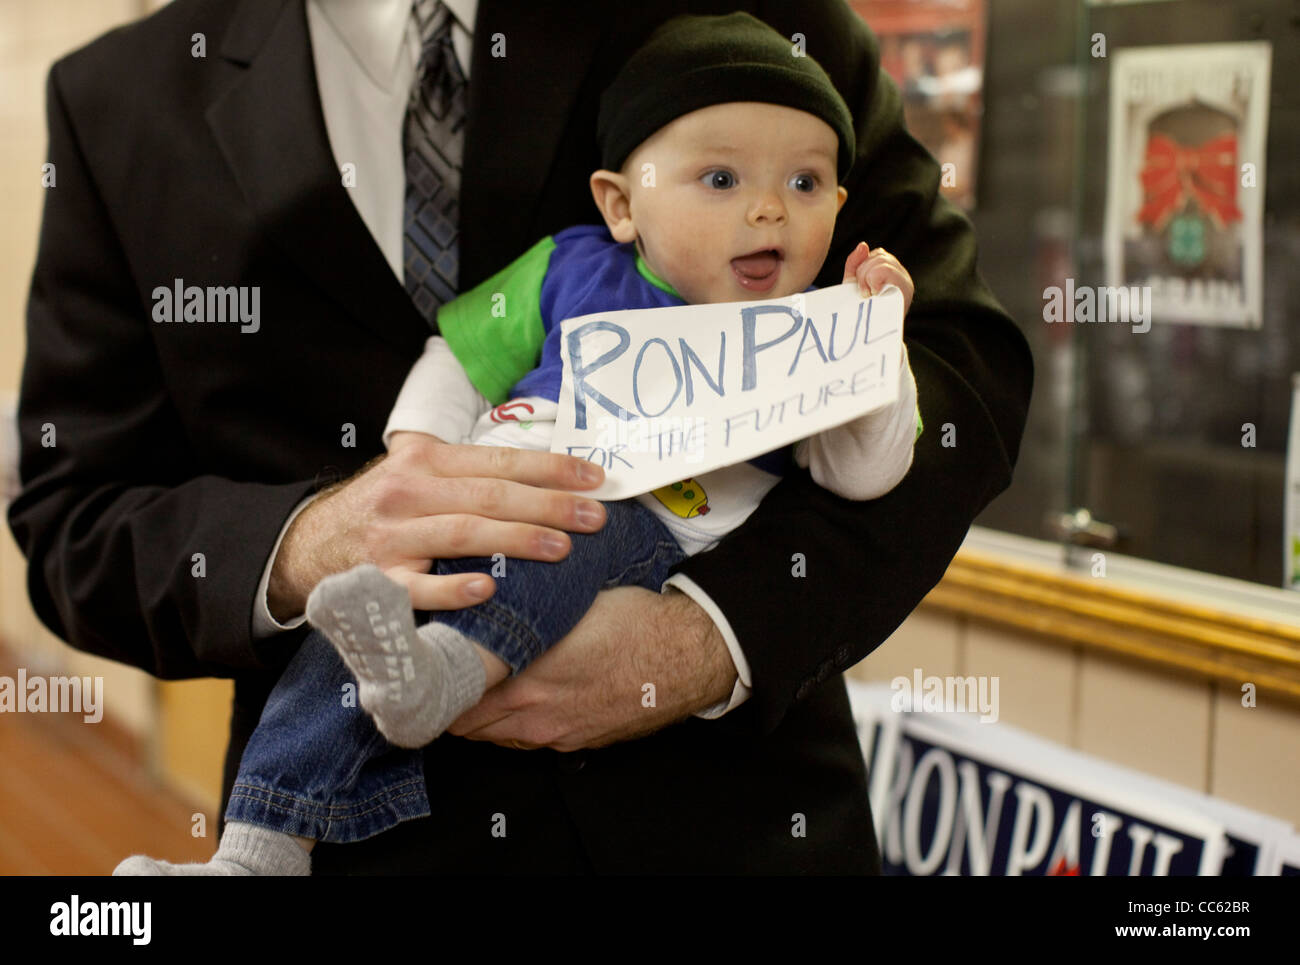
(953, 796)
(658, 395)
(950, 809)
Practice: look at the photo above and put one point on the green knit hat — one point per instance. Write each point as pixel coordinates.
(692, 62)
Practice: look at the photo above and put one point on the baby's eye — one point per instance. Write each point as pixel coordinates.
(722, 180)
(804, 182)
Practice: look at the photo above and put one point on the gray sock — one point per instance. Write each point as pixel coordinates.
(245, 849)
(412, 683)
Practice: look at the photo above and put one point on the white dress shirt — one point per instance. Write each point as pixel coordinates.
(366, 53)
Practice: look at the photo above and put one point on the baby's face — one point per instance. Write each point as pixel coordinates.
(742, 202)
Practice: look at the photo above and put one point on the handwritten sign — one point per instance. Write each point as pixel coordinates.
(658, 395)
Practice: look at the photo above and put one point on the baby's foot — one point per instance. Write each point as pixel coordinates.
(245, 849)
(413, 684)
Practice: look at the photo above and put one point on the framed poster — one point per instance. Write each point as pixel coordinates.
(934, 51)
(1185, 186)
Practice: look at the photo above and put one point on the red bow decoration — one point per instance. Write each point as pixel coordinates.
(1172, 173)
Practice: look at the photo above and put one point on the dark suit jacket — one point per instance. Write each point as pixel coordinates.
(179, 439)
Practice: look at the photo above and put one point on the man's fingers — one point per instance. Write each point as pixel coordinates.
(544, 469)
(500, 716)
(406, 514)
(414, 494)
(482, 722)
(456, 535)
(433, 592)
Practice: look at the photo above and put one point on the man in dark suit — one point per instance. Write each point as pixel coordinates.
(176, 439)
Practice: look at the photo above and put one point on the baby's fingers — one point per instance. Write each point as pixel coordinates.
(881, 270)
(857, 258)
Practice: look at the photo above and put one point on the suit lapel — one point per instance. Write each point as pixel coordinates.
(519, 107)
(271, 130)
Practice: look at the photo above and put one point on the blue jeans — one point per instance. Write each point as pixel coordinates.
(317, 768)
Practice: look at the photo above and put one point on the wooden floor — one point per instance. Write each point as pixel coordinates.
(74, 802)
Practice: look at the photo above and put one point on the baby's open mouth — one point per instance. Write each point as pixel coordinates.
(757, 271)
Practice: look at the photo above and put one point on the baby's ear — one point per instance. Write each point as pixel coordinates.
(609, 189)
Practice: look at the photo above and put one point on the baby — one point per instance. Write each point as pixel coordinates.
(723, 152)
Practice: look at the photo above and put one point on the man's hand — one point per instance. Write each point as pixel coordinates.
(873, 270)
(589, 689)
(428, 500)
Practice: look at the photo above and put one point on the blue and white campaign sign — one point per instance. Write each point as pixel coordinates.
(658, 395)
(952, 796)
(1288, 858)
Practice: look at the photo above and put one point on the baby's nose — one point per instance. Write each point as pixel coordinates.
(767, 207)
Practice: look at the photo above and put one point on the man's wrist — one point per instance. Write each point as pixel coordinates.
(286, 597)
(716, 679)
(740, 690)
(283, 599)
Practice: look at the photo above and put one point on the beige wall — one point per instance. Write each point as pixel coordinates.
(1193, 733)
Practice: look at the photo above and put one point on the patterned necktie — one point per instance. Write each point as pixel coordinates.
(432, 141)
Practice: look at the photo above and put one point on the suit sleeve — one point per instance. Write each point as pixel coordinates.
(113, 512)
(866, 565)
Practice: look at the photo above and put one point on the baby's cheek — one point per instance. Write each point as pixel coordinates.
(695, 263)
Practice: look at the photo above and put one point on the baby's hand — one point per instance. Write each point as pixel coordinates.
(873, 270)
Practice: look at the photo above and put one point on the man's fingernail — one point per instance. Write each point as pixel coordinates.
(589, 473)
(478, 589)
(589, 514)
(555, 545)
